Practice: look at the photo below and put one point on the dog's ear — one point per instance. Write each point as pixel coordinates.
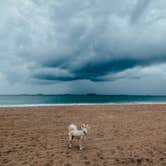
(82, 125)
(87, 126)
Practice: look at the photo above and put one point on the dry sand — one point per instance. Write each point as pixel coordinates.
(120, 135)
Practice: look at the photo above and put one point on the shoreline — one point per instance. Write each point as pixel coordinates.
(80, 104)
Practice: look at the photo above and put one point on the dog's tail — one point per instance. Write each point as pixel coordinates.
(72, 127)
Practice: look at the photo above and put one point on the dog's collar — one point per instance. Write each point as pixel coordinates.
(85, 132)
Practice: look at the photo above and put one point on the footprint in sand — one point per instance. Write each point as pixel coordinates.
(50, 163)
(87, 162)
(68, 154)
(105, 163)
(148, 160)
(100, 155)
(85, 157)
(67, 164)
(139, 161)
(5, 161)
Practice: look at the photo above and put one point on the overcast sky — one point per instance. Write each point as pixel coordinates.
(83, 46)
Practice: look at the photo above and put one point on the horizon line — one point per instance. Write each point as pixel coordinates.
(75, 94)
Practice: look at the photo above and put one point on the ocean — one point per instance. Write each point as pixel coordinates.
(44, 100)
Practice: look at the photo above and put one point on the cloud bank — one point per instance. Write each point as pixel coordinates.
(91, 41)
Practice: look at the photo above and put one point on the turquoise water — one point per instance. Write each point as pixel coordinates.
(8, 100)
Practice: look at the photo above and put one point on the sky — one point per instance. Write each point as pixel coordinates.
(83, 46)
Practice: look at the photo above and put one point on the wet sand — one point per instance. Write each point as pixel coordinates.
(120, 135)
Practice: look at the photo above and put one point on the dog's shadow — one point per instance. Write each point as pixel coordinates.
(75, 147)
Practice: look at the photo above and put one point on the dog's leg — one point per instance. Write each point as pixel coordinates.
(80, 143)
(70, 140)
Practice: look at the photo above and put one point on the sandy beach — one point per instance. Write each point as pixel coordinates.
(120, 135)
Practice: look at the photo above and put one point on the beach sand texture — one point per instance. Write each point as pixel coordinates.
(120, 135)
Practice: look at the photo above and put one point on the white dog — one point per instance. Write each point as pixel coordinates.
(79, 134)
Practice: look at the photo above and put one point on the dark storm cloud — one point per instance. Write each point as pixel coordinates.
(81, 40)
(95, 70)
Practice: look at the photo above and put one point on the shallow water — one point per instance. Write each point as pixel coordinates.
(10, 100)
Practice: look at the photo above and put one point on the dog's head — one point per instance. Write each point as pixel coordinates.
(85, 128)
